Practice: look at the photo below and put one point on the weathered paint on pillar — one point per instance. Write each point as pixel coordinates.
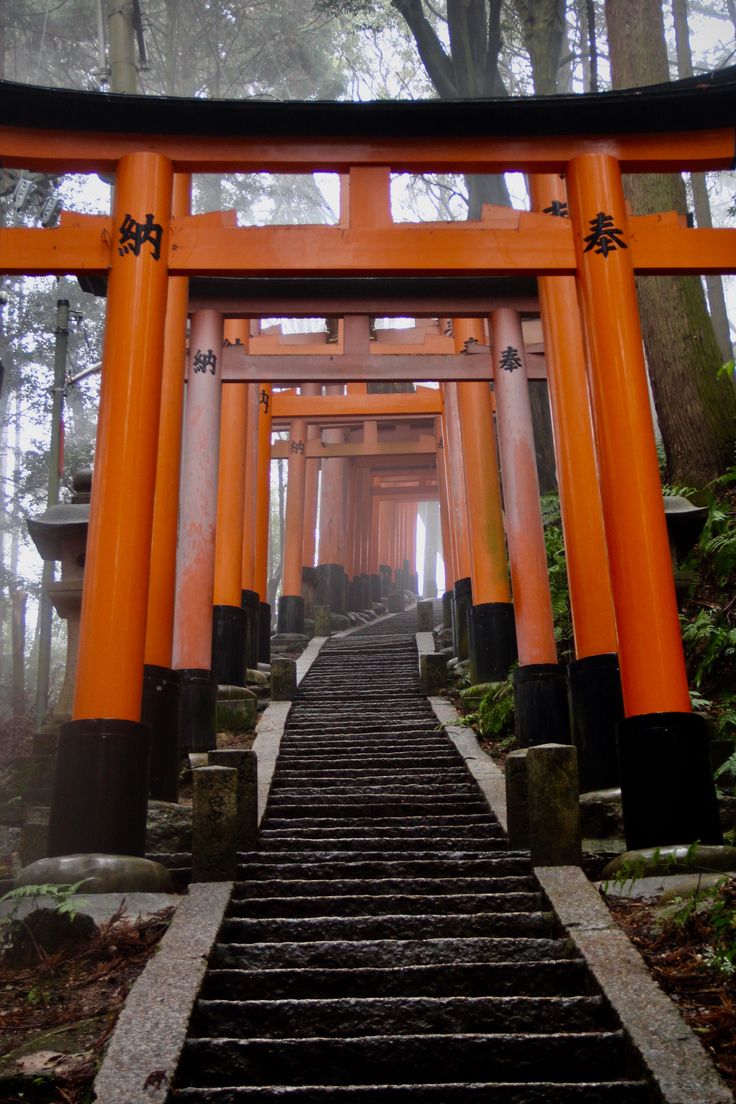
(374, 557)
(250, 490)
(650, 646)
(196, 560)
(311, 488)
(231, 483)
(332, 516)
(586, 554)
(263, 492)
(115, 600)
(297, 468)
(529, 579)
(162, 588)
(456, 483)
(482, 484)
(448, 546)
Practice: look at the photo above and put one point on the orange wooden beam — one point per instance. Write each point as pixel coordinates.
(56, 151)
(322, 407)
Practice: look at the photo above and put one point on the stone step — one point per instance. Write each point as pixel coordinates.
(540, 977)
(268, 1019)
(410, 1059)
(312, 929)
(486, 829)
(398, 807)
(388, 952)
(445, 821)
(540, 1092)
(371, 774)
(451, 858)
(312, 867)
(387, 905)
(381, 845)
(350, 788)
(404, 760)
(334, 887)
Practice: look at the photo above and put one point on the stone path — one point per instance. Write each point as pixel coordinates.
(384, 945)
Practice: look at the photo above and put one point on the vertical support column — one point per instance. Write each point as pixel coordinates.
(374, 560)
(448, 544)
(250, 599)
(386, 530)
(311, 493)
(291, 603)
(160, 702)
(260, 649)
(351, 526)
(491, 628)
(461, 584)
(229, 625)
(595, 681)
(540, 690)
(431, 519)
(196, 557)
(101, 784)
(666, 782)
(331, 570)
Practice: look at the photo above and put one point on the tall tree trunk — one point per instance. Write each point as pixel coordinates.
(696, 408)
(701, 200)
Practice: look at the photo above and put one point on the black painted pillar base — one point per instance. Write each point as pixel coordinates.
(448, 601)
(229, 645)
(596, 707)
(197, 710)
(250, 601)
(463, 602)
(100, 793)
(290, 616)
(667, 788)
(540, 702)
(160, 712)
(309, 587)
(385, 574)
(331, 587)
(365, 592)
(415, 582)
(375, 589)
(264, 633)
(350, 595)
(492, 641)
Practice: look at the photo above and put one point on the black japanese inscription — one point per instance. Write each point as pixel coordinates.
(510, 359)
(604, 236)
(203, 360)
(227, 343)
(557, 207)
(264, 399)
(296, 446)
(134, 235)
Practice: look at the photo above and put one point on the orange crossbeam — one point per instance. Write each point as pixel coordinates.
(320, 407)
(84, 152)
(425, 446)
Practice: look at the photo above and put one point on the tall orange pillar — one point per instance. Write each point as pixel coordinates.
(195, 566)
(101, 784)
(461, 585)
(595, 681)
(666, 781)
(229, 628)
(160, 703)
(540, 689)
(311, 498)
(250, 599)
(261, 651)
(448, 548)
(331, 579)
(386, 531)
(491, 629)
(291, 602)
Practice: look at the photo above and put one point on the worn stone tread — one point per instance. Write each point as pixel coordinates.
(386, 904)
(567, 1092)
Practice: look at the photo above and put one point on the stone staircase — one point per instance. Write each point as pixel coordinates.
(384, 944)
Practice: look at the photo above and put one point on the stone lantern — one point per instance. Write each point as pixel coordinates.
(61, 534)
(684, 525)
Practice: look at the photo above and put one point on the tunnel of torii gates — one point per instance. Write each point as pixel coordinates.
(572, 260)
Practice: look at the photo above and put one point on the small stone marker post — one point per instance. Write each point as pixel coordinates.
(322, 626)
(246, 764)
(517, 799)
(425, 616)
(554, 805)
(433, 672)
(214, 824)
(283, 679)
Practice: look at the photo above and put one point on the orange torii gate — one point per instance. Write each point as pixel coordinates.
(100, 791)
